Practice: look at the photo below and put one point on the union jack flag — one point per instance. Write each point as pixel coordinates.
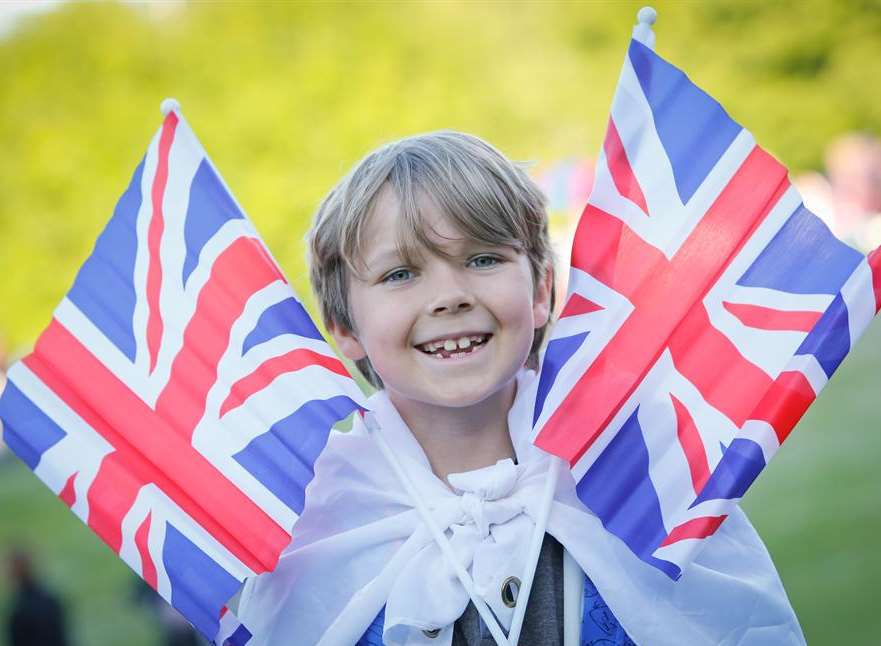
(181, 393)
(706, 309)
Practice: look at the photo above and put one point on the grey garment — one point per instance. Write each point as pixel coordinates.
(543, 624)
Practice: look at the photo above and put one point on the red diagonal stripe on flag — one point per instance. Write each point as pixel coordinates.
(620, 168)
(766, 318)
(666, 294)
(577, 304)
(68, 492)
(148, 567)
(692, 446)
(607, 250)
(272, 368)
(154, 240)
(148, 450)
(694, 528)
(875, 266)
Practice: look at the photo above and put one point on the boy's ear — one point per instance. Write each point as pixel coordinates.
(541, 305)
(346, 341)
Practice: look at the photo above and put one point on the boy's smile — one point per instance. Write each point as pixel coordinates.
(449, 330)
(455, 346)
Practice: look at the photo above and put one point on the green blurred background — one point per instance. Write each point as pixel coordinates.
(286, 96)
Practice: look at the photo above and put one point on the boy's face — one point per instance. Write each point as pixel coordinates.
(447, 331)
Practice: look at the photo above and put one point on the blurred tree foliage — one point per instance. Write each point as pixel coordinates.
(286, 96)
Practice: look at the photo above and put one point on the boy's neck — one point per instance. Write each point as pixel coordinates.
(461, 439)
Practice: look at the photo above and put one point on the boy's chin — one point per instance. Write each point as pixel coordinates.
(458, 395)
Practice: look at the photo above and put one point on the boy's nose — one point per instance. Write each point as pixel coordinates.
(450, 299)
(448, 289)
(452, 305)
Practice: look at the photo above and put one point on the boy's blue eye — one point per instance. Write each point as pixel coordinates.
(397, 275)
(484, 261)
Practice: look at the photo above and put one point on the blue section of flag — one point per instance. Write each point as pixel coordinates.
(282, 458)
(373, 635)
(617, 488)
(240, 637)
(104, 287)
(803, 258)
(740, 465)
(829, 340)
(27, 430)
(200, 587)
(285, 317)
(693, 128)
(599, 626)
(210, 206)
(558, 352)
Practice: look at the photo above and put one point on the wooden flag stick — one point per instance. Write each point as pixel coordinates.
(538, 535)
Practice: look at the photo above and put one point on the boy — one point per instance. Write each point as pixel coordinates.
(432, 265)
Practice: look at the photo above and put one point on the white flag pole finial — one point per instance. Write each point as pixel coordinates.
(169, 105)
(642, 32)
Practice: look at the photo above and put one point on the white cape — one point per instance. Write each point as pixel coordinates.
(361, 545)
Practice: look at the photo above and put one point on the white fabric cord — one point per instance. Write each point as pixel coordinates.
(473, 506)
(361, 544)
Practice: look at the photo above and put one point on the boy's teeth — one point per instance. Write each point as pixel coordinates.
(449, 345)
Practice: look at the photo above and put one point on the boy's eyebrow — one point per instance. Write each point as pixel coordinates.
(390, 255)
(455, 248)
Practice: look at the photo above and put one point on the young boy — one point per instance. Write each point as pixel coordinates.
(432, 265)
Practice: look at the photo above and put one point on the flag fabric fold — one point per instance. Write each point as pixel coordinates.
(706, 309)
(180, 394)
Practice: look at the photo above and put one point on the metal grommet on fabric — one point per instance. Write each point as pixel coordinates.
(431, 634)
(510, 591)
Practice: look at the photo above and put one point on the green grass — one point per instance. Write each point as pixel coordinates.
(817, 507)
(96, 586)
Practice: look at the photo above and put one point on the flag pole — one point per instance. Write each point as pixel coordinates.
(538, 534)
(642, 32)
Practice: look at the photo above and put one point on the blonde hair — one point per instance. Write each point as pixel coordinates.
(486, 197)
